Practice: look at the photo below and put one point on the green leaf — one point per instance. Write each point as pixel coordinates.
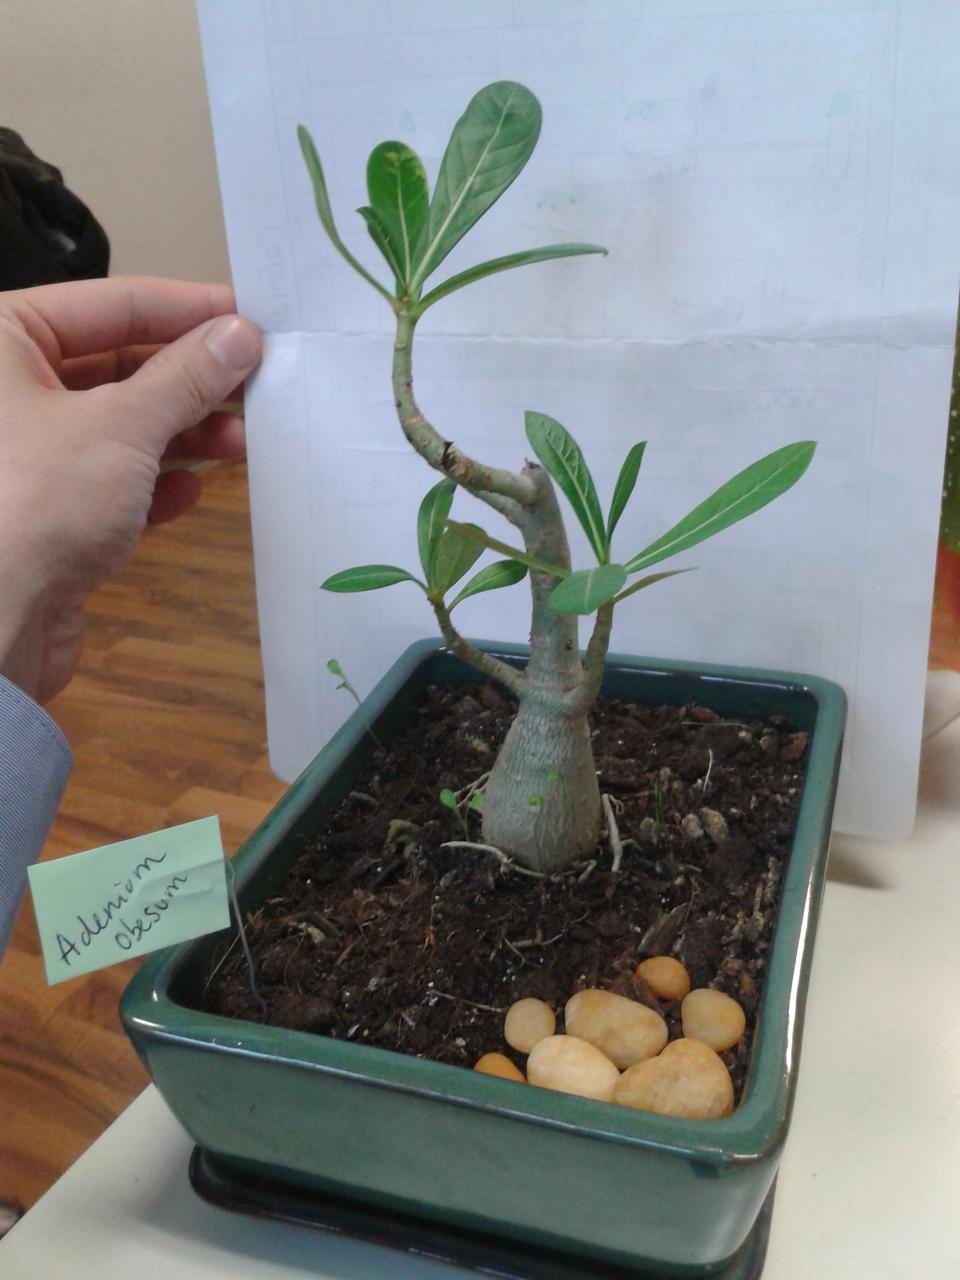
(449, 799)
(324, 212)
(335, 669)
(561, 456)
(380, 236)
(367, 577)
(492, 544)
(649, 581)
(454, 556)
(523, 259)
(747, 492)
(625, 485)
(587, 590)
(502, 573)
(431, 520)
(397, 186)
(490, 144)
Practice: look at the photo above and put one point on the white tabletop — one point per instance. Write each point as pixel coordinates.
(870, 1183)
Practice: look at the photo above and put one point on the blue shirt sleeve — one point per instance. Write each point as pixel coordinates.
(35, 763)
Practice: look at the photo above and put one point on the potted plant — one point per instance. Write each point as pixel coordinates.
(325, 1129)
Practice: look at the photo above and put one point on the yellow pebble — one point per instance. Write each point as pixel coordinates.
(666, 977)
(712, 1017)
(687, 1080)
(623, 1029)
(498, 1064)
(570, 1065)
(528, 1022)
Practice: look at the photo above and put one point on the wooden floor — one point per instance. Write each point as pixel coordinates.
(166, 721)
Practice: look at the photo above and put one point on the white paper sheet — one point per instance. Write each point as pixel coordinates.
(778, 190)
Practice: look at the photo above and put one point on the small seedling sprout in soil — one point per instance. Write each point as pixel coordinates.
(462, 808)
(335, 669)
(415, 231)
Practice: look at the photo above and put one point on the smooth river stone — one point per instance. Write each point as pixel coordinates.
(570, 1065)
(687, 1080)
(624, 1030)
(713, 1017)
(527, 1022)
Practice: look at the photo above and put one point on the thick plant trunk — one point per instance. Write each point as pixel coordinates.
(541, 801)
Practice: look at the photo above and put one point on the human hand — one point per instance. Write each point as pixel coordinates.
(100, 382)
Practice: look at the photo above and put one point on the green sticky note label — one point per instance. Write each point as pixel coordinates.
(96, 908)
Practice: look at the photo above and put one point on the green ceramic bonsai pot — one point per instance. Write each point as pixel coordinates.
(378, 1136)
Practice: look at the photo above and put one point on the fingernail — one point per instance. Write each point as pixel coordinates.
(234, 341)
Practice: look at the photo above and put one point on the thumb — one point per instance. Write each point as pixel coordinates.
(186, 380)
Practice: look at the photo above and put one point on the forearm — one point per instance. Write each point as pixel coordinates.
(35, 763)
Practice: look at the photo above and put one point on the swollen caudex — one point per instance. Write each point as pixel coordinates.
(614, 1049)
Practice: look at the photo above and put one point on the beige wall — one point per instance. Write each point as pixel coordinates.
(112, 92)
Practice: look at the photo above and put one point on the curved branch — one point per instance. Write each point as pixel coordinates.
(490, 666)
(554, 659)
(527, 499)
(505, 491)
(582, 697)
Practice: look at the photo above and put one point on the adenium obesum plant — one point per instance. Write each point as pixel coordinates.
(549, 738)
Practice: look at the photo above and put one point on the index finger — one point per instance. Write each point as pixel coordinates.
(87, 317)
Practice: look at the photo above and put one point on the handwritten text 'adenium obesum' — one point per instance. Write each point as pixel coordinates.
(130, 932)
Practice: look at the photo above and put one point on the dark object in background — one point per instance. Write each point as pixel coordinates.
(47, 234)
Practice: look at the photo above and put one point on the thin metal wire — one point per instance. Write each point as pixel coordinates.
(241, 929)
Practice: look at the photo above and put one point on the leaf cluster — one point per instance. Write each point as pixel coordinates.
(414, 231)
(449, 549)
(448, 552)
(461, 808)
(585, 591)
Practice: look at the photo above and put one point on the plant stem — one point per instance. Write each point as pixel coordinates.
(550, 735)
(508, 676)
(584, 695)
(503, 490)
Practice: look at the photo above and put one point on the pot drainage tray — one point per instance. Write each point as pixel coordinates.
(243, 1192)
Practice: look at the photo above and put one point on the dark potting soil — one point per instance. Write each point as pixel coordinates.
(383, 935)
